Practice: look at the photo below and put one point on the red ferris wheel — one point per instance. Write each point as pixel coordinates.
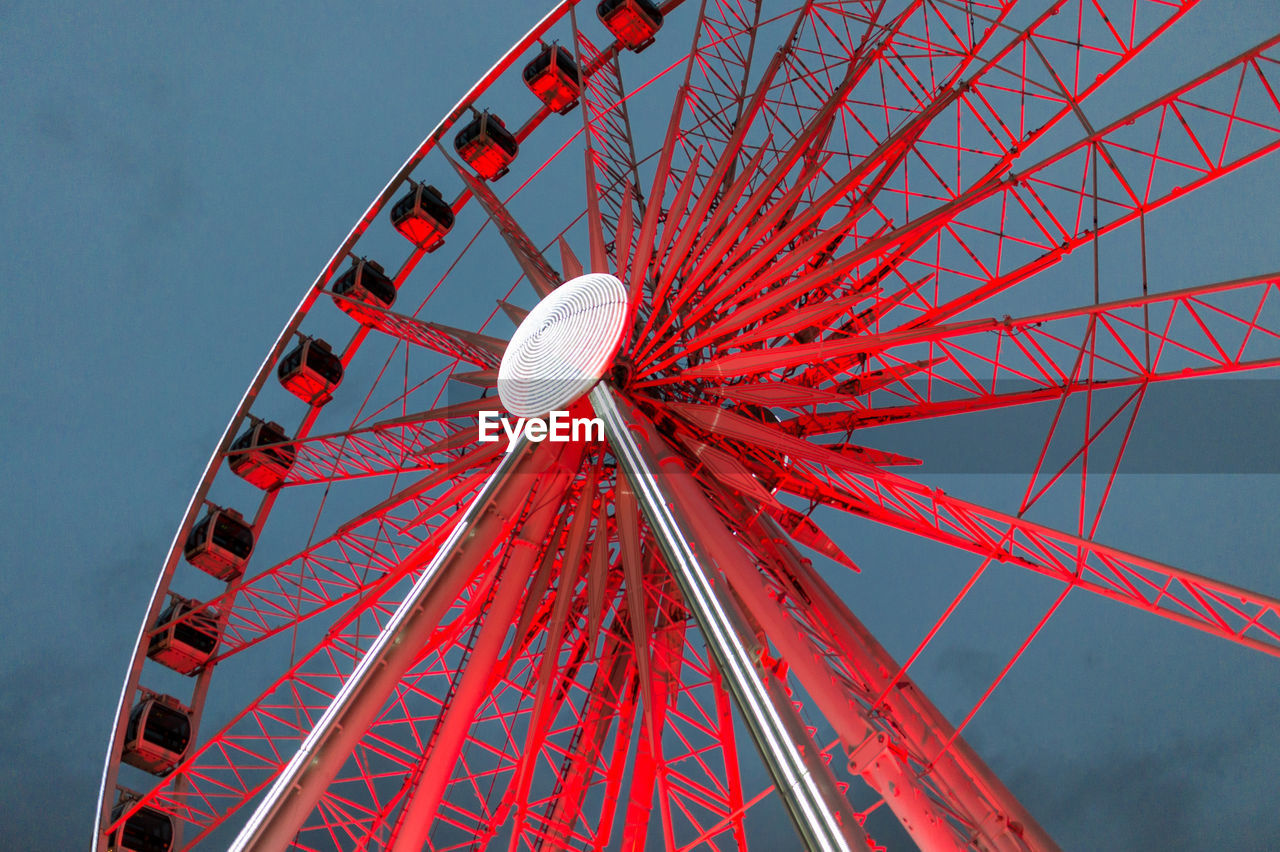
(803, 221)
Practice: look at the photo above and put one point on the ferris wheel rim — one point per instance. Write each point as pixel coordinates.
(107, 783)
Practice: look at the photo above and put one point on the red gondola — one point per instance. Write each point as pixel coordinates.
(634, 23)
(364, 283)
(487, 145)
(555, 78)
(220, 544)
(158, 734)
(262, 455)
(311, 371)
(148, 830)
(422, 216)
(185, 636)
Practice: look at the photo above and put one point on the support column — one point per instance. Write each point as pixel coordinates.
(670, 498)
(875, 750)
(302, 782)
(1001, 823)
(418, 813)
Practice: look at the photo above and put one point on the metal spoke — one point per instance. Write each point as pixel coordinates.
(504, 644)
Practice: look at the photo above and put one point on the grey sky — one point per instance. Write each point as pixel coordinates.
(175, 177)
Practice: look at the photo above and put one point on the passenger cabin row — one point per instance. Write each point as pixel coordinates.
(185, 636)
(423, 216)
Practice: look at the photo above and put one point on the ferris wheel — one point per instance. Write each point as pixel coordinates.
(557, 575)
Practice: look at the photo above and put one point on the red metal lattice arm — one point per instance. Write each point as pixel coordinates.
(999, 234)
(1239, 615)
(429, 440)
(989, 363)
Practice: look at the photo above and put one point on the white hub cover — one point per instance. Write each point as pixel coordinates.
(563, 346)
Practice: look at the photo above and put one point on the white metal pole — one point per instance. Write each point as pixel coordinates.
(668, 497)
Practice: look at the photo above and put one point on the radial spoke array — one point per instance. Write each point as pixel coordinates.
(809, 226)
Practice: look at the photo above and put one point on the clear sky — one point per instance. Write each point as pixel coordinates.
(174, 178)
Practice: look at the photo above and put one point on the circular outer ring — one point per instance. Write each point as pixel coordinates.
(563, 346)
(160, 590)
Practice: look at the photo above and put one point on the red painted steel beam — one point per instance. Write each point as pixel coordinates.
(525, 548)
(1213, 330)
(965, 783)
(1221, 609)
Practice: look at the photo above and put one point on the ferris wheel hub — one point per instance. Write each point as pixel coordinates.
(564, 346)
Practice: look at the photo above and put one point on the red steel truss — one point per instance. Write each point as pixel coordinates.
(822, 212)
